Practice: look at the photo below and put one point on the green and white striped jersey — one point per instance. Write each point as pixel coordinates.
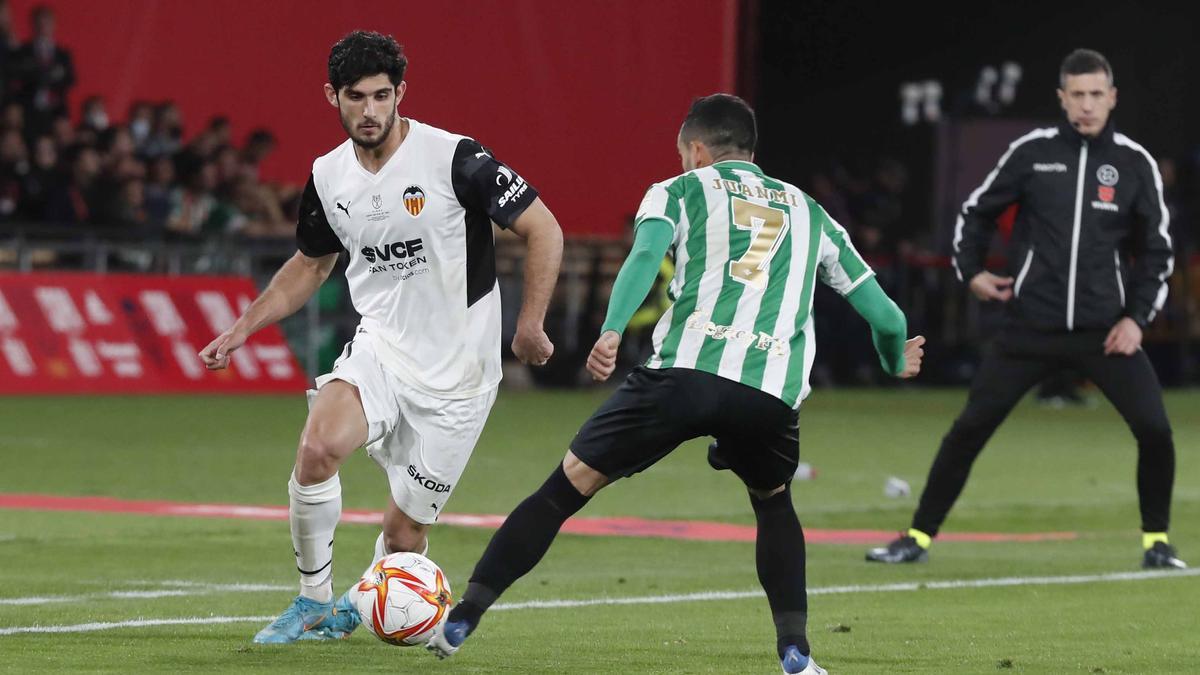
(748, 250)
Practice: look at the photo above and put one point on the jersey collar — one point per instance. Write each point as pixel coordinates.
(394, 159)
(739, 164)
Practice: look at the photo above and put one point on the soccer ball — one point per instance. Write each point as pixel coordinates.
(401, 598)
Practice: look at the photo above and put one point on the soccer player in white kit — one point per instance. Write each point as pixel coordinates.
(413, 205)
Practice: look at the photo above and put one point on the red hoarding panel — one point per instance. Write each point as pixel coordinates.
(68, 333)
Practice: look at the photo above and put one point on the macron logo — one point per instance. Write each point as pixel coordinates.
(1054, 167)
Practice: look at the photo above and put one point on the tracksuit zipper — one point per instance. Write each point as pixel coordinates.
(1083, 150)
(1120, 283)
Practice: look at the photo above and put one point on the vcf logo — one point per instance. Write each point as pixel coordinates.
(397, 250)
(414, 200)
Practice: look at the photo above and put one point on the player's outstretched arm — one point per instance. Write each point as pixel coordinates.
(289, 289)
(650, 243)
(543, 256)
(899, 357)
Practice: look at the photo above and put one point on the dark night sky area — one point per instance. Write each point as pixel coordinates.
(829, 73)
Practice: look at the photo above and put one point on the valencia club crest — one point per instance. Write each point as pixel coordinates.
(414, 200)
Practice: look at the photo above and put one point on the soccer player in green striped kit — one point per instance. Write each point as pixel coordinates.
(731, 360)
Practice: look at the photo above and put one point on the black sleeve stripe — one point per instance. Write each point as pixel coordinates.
(314, 237)
(482, 183)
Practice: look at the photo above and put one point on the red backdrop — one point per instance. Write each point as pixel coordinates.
(584, 98)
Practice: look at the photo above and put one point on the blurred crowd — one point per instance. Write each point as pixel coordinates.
(873, 205)
(136, 176)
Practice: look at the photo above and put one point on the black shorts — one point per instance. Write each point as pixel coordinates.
(656, 410)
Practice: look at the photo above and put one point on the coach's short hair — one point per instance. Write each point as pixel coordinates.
(721, 121)
(1082, 62)
(363, 54)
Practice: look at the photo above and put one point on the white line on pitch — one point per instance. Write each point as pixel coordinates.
(203, 585)
(188, 588)
(120, 595)
(135, 623)
(873, 588)
(660, 599)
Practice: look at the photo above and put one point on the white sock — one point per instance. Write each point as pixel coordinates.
(313, 512)
(380, 548)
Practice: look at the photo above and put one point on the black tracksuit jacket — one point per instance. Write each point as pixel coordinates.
(1091, 240)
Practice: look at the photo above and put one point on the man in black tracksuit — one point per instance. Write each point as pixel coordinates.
(1089, 199)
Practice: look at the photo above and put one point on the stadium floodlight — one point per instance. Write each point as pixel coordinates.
(1010, 77)
(920, 101)
(910, 100)
(988, 76)
(932, 109)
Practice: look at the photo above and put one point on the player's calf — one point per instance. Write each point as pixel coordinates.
(780, 561)
(514, 550)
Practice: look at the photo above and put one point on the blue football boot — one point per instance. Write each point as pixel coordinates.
(447, 637)
(795, 663)
(338, 624)
(303, 614)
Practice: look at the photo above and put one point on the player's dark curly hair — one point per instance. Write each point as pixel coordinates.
(363, 54)
(721, 121)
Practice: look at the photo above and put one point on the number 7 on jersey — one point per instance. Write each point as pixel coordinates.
(767, 226)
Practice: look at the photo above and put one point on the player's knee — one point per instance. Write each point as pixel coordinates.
(757, 494)
(586, 480)
(316, 459)
(967, 435)
(1154, 434)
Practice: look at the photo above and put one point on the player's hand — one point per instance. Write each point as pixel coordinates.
(603, 358)
(913, 354)
(1124, 338)
(216, 355)
(531, 345)
(987, 286)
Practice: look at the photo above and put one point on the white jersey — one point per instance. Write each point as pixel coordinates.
(422, 268)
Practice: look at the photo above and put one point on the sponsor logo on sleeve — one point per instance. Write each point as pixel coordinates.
(516, 185)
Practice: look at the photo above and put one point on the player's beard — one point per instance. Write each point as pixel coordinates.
(371, 144)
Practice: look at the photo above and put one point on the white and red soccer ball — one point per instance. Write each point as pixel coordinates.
(401, 598)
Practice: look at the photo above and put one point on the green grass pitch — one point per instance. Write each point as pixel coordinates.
(1046, 470)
